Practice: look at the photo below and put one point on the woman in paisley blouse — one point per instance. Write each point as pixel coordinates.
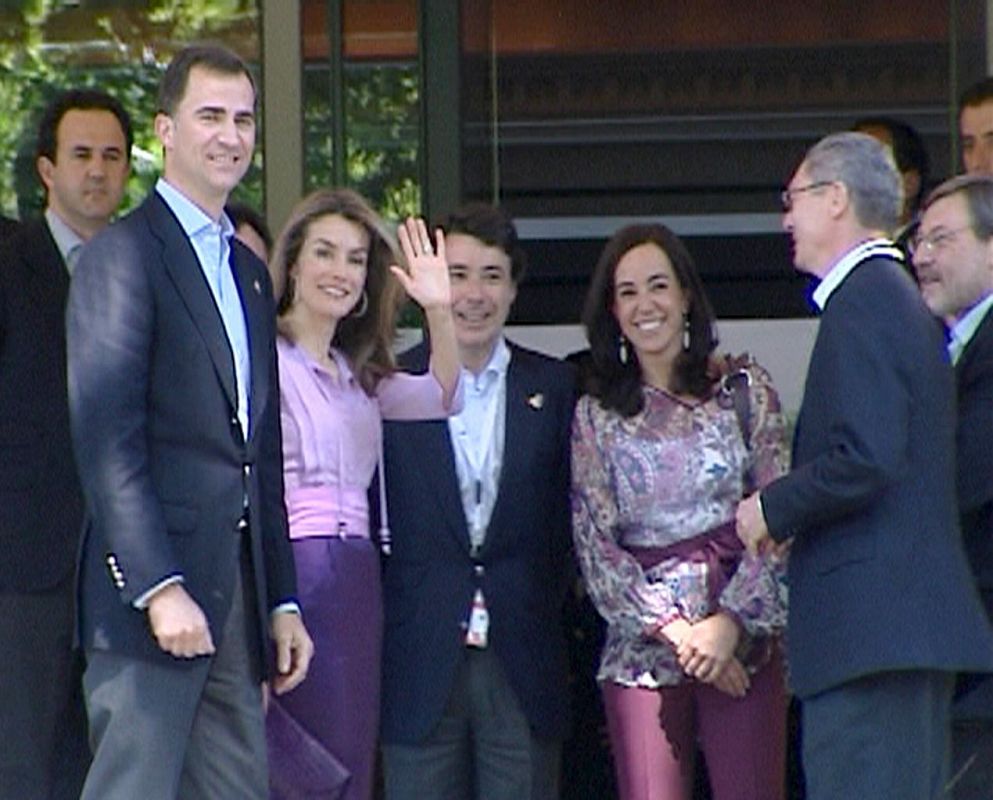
(664, 446)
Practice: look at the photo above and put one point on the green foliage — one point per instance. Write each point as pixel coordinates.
(381, 134)
(50, 45)
(382, 137)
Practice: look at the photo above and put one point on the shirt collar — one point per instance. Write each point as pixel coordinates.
(345, 374)
(302, 355)
(192, 219)
(495, 368)
(66, 239)
(963, 330)
(848, 262)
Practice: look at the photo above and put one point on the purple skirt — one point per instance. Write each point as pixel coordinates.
(339, 589)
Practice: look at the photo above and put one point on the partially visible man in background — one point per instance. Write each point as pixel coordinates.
(83, 159)
(953, 255)
(976, 128)
(911, 158)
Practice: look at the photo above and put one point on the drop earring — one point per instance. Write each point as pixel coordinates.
(622, 349)
(686, 332)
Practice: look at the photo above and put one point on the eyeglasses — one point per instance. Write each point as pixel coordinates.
(934, 242)
(787, 195)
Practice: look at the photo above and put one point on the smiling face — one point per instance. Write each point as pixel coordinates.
(650, 305)
(482, 294)
(330, 272)
(209, 138)
(85, 182)
(954, 266)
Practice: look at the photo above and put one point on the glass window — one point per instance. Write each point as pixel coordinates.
(381, 85)
(580, 117)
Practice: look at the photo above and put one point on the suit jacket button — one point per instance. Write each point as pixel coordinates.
(479, 570)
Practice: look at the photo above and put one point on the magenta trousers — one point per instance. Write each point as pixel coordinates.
(654, 735)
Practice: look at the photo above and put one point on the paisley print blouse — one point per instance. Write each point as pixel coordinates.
(673, 471)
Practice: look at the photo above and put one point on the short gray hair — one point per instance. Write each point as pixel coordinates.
(866, 168)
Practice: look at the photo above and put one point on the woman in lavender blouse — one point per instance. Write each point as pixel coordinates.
(665, 445)
(341, 289)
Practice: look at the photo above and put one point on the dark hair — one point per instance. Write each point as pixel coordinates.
(367, 338)
(976, 94)
(978, 191)
(618, 385)
(908, 147)
(212, 57)
(494, 228)
(47, 144)
(243, 214)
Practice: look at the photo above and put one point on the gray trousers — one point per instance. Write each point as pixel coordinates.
(194, 730)
(482, 747)
(884, 736)
(972, 760)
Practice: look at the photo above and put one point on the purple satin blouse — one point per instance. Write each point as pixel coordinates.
(332, 432)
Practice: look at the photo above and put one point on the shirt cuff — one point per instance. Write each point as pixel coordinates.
(289, 607)
(141, 602)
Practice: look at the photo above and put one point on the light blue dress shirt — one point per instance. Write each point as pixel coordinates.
(212, 243)
(477, 435)
(963, 330)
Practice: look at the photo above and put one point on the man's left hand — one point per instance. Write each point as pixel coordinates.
(294, 649)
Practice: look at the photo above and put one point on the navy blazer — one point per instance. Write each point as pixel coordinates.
(974, 443)
(165, 467)
(41, 503)
(878, 576)
(522, 566)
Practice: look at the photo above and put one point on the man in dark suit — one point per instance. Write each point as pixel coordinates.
(185, 561)
(882, 608)
(82, 157)
(8, 227)
(475, 688)
(953, 256)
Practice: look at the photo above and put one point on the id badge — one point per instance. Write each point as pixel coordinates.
(479, 622)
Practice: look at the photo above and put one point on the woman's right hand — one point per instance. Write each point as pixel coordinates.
(733, 679)
(426, 277)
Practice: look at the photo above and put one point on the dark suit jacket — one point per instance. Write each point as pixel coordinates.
(974, 442)
(522, 567)
(41, 505)
(165, 468)
(8, 227)
(878, 576)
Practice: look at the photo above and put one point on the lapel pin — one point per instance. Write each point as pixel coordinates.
(536, 401)
(257, 286)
